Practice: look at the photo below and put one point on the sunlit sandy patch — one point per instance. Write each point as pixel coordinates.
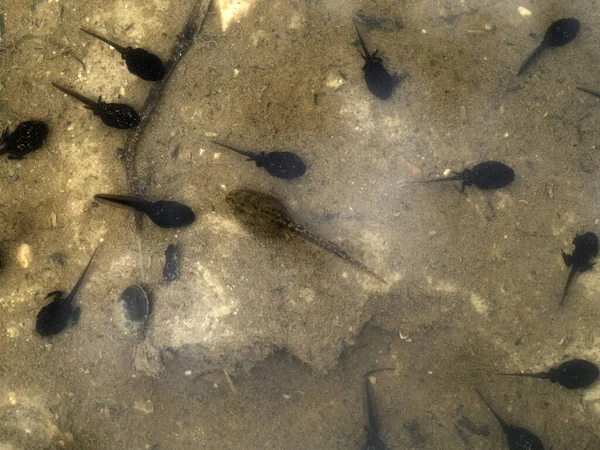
(479, 304)
(231, 10)
(374, 241)
(334, 81)
(592, 397)
(219, 223)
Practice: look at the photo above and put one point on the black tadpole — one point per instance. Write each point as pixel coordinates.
(27, 137)
(56, 315)
(485, 175)
(164, 213)
(573, 374)
(558, 34)
(286, 165)
(586, 248)
(518, 438)
(378, 79)
(114, 115)
(139, 62)
(374, 441)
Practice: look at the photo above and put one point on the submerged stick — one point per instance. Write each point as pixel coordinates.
(183, 43)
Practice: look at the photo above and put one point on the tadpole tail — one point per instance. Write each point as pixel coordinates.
(373, 417)
(569, 281)
(437, 180)
(332, 248)
(362, 43)
(589, 91)
(125, 200)
(250, 155)
(86, 101)
(532, 58)
(542, 375)
(73, 292)
(505, 426)
(117, 47)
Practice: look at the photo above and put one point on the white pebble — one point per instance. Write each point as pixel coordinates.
(24, 255)
(524, 11)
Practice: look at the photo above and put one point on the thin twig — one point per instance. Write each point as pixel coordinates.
(229, 382)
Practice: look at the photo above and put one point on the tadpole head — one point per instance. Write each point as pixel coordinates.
(144, 64)
(562, 32)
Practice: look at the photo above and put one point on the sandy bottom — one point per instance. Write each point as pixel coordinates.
(262, 343)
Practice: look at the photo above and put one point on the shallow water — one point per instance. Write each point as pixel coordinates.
(263, 341)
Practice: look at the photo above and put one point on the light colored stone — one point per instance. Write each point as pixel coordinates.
(24, 255)
(524, 11)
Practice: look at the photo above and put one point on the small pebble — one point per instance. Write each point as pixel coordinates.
(524, 11)
(24, 255)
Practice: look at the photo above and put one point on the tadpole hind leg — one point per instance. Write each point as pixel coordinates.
(75, 316)
(587, 267)
(566, 258)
